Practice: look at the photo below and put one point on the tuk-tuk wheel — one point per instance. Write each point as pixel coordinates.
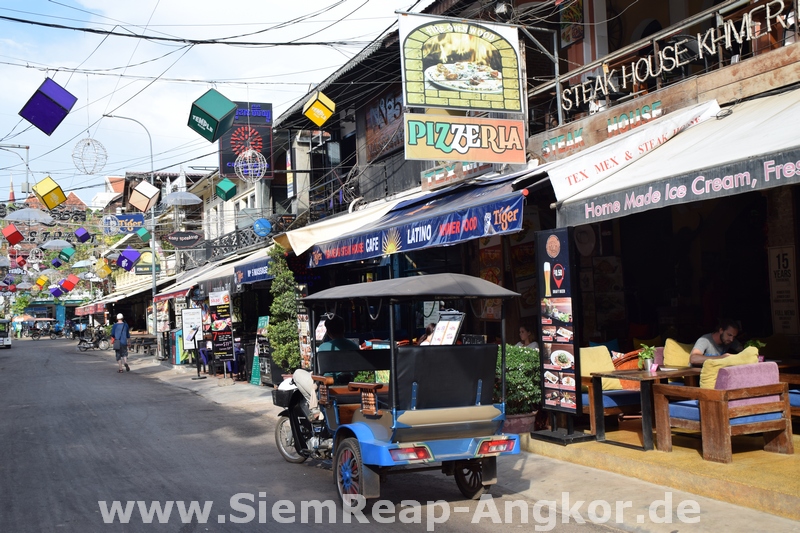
(469, 479)
(347, 471)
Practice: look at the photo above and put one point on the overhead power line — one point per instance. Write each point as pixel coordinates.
(331, 44)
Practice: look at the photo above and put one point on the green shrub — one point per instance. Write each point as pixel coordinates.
(523, 380)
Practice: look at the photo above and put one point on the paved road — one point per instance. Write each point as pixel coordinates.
(74, 432)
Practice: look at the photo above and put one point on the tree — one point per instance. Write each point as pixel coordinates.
(21, 301)
(282, 328)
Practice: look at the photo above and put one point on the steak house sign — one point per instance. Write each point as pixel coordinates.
(677, 54)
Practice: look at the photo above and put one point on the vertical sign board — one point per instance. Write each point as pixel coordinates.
(221, 326)
(557, 330)
(262, 351)
(783, 290)
(192, 327)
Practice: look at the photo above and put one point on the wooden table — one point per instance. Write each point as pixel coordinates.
(645, 379)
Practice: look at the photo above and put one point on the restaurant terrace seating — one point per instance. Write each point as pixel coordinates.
(744, 399)
(616, 400)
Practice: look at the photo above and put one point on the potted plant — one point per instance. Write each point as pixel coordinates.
(523, 388)
(646, 356)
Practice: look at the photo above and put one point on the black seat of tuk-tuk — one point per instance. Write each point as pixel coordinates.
(353, 361)
(445, 376)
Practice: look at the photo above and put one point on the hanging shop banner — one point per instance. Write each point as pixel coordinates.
(184, 239)
(747, 175)
(490, 259)
(384, 131)
(460, 64)
(221, 325)
(559, 361)
(252, 129)
(114, 224)
(447, 138)
(496, 218)
(162, 317)
(252, 272)
(451, 173)
(192, 327)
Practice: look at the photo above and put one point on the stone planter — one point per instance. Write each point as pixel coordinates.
(518, 424)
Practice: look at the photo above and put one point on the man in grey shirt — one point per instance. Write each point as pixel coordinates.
(719, 344)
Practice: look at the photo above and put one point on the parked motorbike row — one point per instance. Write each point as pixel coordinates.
(88, 339)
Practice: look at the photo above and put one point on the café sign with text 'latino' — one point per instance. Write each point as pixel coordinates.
(442, 137)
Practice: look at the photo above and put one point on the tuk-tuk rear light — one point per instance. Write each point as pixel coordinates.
(414, 453)
(496, 446)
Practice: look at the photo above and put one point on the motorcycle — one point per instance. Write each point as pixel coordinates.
(97, 340)
(296, 435)
(56, 333)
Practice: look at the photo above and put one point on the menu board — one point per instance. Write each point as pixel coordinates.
(557, 331)
(447, 328)
(192, 320)
(221, 325)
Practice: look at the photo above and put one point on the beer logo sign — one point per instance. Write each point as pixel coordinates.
(558, 274)
(553, 246)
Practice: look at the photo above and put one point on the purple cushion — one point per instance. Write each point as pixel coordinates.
(742, 376)
(658, 356)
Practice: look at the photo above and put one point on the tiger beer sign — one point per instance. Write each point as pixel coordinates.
(447, 138)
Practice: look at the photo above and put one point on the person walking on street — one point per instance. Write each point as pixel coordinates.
(120, 333)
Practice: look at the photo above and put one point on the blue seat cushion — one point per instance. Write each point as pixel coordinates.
(616, 398)
(794, 398)
(690, 410)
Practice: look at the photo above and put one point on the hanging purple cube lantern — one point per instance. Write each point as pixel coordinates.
(48, 106)
(82, 235)
(56, 263)
(56, 292)
(128, 258)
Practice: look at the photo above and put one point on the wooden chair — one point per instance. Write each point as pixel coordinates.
(747, 399)
(794, 392)
(615, 402)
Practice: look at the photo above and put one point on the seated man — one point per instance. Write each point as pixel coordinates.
(718, 344)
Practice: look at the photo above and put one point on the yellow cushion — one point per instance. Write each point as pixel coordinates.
(655, 341)
(598, 359)
(677, 353)
(708, 375)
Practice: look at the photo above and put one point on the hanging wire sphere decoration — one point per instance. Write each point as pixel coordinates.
(250, 166)
(35, 255)
(89, 156)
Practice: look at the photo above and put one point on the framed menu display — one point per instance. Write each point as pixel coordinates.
(557, 331)
(447, 328)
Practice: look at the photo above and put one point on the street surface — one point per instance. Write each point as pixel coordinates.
(76, 437)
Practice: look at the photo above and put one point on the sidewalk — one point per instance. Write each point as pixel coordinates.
(530, 476)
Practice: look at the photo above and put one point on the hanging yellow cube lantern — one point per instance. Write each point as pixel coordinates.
(102, 270)
(49, 193)
(144, 196)
(319, 108)
(42, 281)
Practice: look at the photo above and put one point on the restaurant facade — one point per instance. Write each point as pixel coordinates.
(674, 162)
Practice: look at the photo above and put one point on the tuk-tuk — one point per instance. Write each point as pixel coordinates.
(6, 332)
(437, 410)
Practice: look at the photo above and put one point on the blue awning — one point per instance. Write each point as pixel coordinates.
(466, 213)
(252, 272)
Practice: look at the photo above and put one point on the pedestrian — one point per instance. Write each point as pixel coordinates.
(120, 333)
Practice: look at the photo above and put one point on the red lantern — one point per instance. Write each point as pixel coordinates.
(12, 234)
(12, 288)
(21, 262)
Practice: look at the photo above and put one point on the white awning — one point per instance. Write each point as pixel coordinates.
(301, 239)
(750, 146)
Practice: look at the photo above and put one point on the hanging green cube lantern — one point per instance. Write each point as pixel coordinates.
(49, 193)
(143, 234)
(66, 254)
(226, 189)
(212, 115)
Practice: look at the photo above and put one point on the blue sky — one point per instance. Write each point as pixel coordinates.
(156, 83)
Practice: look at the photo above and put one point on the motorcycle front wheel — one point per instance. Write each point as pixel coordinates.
(104, 345)
(284, 439)
(35, 336)
(53, 336)
(82, 346)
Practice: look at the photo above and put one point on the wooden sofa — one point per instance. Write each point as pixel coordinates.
(747, 399)
(794, 392)
(615, 402)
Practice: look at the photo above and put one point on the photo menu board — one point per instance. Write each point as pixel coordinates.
(557, 331)
(221, 325)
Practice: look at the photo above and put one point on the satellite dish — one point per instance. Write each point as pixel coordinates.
(262, 227)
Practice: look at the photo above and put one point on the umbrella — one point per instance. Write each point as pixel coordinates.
(56, 244)
(24, 285)
(85, 263)
(31, 216)
(181, 198)
(23, 318)
(49, 272)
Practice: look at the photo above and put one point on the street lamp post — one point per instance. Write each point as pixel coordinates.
(153, 239)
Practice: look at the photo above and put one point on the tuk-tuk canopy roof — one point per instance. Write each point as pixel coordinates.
(432, 286)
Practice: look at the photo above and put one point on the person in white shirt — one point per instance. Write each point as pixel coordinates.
(527, 338)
